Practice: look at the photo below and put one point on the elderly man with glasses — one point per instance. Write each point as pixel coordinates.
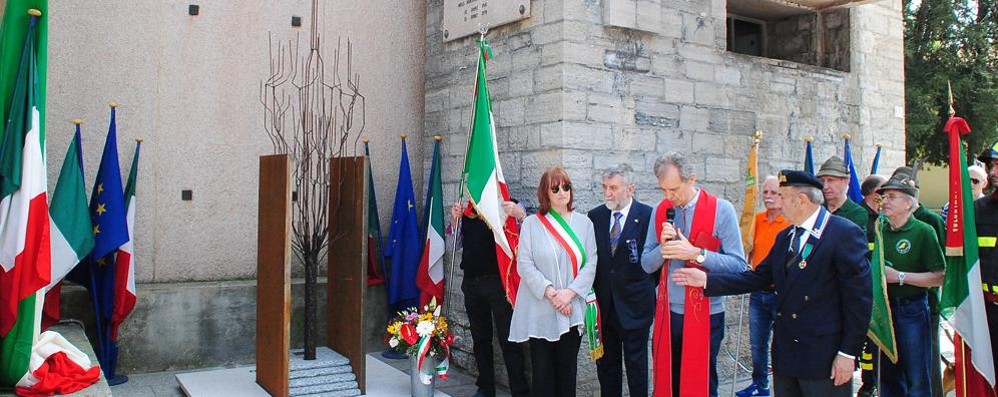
(914, 263)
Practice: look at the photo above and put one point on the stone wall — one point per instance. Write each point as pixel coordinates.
(569, 89)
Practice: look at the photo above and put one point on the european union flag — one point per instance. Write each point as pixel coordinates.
(110, 228)
(406, 246)
(854, 188)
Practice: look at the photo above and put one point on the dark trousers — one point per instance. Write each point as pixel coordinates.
(555, 365)
(786, 386)
(762, 313)
(632, 344)
(485, 302)
(910, 376)
(716, 336)
(936, 378)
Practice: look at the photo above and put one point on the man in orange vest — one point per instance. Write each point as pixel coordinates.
(762, 304)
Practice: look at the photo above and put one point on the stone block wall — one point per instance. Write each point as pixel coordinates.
(582, 85)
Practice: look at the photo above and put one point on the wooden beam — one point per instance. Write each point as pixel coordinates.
(273, 285)
(347, 271)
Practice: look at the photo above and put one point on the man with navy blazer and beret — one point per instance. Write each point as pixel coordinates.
(624, 291)
(823, 285)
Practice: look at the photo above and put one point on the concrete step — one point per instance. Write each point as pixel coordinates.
(324, 357)
(322, 371)
(340, 393)
(325, 379)
(324, 389)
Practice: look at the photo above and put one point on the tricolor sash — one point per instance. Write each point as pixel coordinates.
(695, 367)
(567, 239)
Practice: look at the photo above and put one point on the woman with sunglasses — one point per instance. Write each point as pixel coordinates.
(913, 262)
(557, 264)
(978, 182)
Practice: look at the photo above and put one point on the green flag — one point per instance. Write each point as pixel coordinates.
(12, 32)
(881, 329)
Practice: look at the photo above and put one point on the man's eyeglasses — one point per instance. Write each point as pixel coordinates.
(975, 180)
(564, 188)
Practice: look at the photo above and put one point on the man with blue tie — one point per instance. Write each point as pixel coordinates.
(823, 286)
(626, 294)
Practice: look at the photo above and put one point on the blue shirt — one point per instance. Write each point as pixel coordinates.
(730, 258)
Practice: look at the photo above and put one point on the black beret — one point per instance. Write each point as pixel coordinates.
(799, 178)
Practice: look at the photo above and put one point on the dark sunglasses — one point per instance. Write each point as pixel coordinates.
(975, 180)
(564, 188)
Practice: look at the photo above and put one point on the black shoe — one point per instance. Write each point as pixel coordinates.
(867, 390)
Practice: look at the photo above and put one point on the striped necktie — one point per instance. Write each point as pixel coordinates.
(615, 232)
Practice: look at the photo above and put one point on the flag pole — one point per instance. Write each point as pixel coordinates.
(741, 305)
(459, 189)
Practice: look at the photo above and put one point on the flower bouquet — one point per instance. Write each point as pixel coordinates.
(424, 337)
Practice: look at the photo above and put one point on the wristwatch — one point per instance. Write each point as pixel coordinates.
(901, 277)
(701, 257)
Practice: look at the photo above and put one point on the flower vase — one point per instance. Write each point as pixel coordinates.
(420, 373)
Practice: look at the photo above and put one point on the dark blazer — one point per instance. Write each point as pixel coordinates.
(621, 285)
(822, 309)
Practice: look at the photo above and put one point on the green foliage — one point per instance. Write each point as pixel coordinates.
(949, 41)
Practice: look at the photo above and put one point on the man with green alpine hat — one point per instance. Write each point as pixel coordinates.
(986, 211)
(834, 174)
(913, 262)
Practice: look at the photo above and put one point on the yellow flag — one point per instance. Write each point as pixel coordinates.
(747, 222)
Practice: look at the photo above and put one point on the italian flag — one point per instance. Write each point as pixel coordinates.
(962, 302)
(484, 182)
(25, 255)
(124, 277)
(71, 230)
(430, 277)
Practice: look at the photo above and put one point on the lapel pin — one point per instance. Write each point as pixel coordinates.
(802, 265)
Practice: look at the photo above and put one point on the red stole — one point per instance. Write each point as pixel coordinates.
(695, 369)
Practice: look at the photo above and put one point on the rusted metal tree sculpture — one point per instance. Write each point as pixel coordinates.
(310, 114)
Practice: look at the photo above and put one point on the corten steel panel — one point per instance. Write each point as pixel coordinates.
(347, 257)
(464, 17)
(273, 286)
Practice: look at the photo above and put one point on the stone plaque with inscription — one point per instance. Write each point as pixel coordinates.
(466, 17)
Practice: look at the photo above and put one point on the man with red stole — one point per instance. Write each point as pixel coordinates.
(691, 228)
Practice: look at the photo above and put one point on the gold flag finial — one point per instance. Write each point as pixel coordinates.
(809, 139)
(879, 145)
(438, 138)
(139, 140)
(403, 135)
(846, 136)
(113, 104)
(366, 140)
(77, 121)
(34, 12)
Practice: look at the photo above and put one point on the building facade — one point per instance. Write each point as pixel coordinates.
(588, 84)
(584, 84)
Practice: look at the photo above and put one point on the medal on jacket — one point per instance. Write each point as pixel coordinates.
(804, 254)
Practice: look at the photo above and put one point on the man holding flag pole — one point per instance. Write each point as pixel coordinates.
(488, 227)
(971, 261)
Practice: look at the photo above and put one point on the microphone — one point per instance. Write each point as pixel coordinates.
(670, 216)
